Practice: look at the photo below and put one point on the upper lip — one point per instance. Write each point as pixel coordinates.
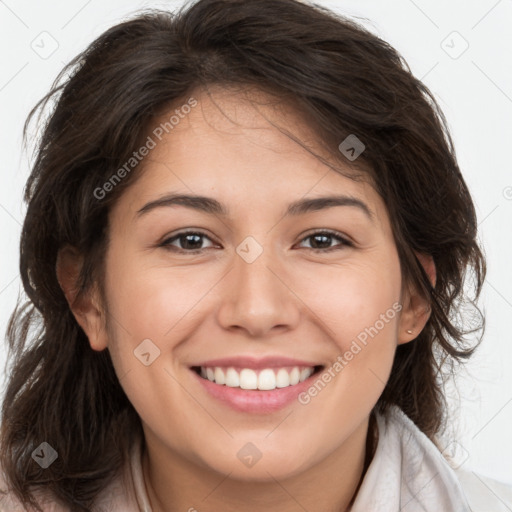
(256, 363)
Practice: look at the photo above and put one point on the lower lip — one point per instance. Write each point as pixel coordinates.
(255, 401)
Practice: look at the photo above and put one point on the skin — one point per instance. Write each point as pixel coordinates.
(290, 301)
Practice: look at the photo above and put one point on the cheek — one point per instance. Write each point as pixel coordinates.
(149, 310)
(150, 302)
(350, 297)
(358, 305)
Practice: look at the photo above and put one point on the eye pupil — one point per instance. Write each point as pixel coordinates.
(324, 238)
(187, 237)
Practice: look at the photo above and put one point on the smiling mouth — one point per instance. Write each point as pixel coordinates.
(265, 379)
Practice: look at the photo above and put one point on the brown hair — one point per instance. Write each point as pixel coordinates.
(345, 80)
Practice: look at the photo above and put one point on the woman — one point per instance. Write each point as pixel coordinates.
(246, 233)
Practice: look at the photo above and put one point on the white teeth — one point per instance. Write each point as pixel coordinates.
(295, 376)
(232, 378)
(219, 376)
(266, 379)
(282, 378)
(304, 374)
(248, 379)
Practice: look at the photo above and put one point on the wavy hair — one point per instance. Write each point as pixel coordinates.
(344, 80)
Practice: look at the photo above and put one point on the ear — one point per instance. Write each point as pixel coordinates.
(415, 308)
(87, 308)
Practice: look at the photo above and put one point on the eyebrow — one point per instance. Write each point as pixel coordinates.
(214, 207)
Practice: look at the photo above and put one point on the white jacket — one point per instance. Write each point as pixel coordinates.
(407, 474)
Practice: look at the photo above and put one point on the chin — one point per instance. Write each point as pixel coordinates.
(267, 468)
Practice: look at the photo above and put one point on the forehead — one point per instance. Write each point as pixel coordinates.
(232, 145)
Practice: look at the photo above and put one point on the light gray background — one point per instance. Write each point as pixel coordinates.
(473, 86)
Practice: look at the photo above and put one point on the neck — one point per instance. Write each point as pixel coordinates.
(175, 484)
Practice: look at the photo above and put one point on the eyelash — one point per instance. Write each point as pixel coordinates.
(166, 244)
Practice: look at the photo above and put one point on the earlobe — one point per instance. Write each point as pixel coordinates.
(85, 308)
(416, 309)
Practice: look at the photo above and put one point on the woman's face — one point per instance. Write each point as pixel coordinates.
(254, 286)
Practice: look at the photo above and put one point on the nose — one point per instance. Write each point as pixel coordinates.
(258, 298)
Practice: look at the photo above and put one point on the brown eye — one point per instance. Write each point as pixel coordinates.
(322, 240)
(189, 241)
